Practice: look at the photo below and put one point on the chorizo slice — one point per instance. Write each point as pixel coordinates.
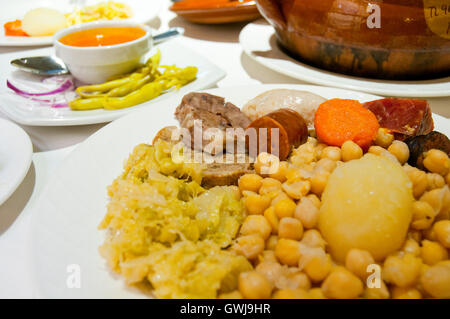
(277, 133)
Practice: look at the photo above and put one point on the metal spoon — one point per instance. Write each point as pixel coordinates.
(52, 65)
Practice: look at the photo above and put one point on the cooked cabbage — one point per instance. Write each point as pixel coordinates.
(164, 228)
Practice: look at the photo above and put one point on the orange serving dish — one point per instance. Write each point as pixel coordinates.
(216, 11)
(391, 39)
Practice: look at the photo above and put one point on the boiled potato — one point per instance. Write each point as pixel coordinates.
(366, 204)
(43, 22)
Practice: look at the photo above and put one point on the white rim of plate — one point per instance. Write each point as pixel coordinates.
(26, 163)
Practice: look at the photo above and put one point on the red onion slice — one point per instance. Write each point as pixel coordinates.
(64, 87)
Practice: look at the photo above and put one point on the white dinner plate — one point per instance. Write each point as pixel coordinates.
(172, 53)
(258, 40)
(143, 12)
(65, 237)
(16, 152)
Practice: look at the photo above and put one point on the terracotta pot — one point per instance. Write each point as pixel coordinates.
(392, 39)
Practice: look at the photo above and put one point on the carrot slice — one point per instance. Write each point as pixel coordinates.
(340, 120)
(14, 28)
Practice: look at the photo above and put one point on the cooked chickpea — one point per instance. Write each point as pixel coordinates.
(442, 232)
(269, 185)
(325, 164)
(296, 189)
(266, 164)
(290, 294)
(290, 228)
(433, 252)
(307, 213)
(400, 150)
(256, 224)
(231, 295)
(389, 156)
(331, 152)
(376, 150)
(294, 173)
(423, 215)
(314, 199)
(272, 218)
(313, 238)
(439, 199)
(298, 280)
(319, 181)
(402, 271)
(342, 284)
(377, 293)
(318, 267)
(429, 234)
(280, 174)
(418, 178)
(447, 179)
(285, 208)
(271, 270)
(412, 247)
(287, 251)
(280, 196)
(253, 285)
(267, 255)
(436, 280)
(319, 148)
(357, 261)
(272, 242)
(415, 235)
(384, 137)
(435, 181)
(256, 204)
(305, 153)
(405, 293)
(316, 293)
(436, 161)
(250, 246)
(350, 151)
(250, 182)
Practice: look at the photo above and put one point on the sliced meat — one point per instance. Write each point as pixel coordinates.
(214, 174)
(405, 117)
(221, 174)
(419, 144)
(213, 114)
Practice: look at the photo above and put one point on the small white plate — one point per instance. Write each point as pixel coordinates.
(65, 238)
(259, 41)
(172, 53)
(143, 12)
(16, 152)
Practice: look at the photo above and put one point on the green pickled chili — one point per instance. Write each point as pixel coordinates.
(147, 92)
(129, 87)
(92, 90)
(81, 104)
(145, 83)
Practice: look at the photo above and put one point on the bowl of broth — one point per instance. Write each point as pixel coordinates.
(97, 51)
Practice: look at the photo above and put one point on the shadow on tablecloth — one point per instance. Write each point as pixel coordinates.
(11, 209)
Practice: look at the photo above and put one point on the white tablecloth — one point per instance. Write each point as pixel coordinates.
(219, 43)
